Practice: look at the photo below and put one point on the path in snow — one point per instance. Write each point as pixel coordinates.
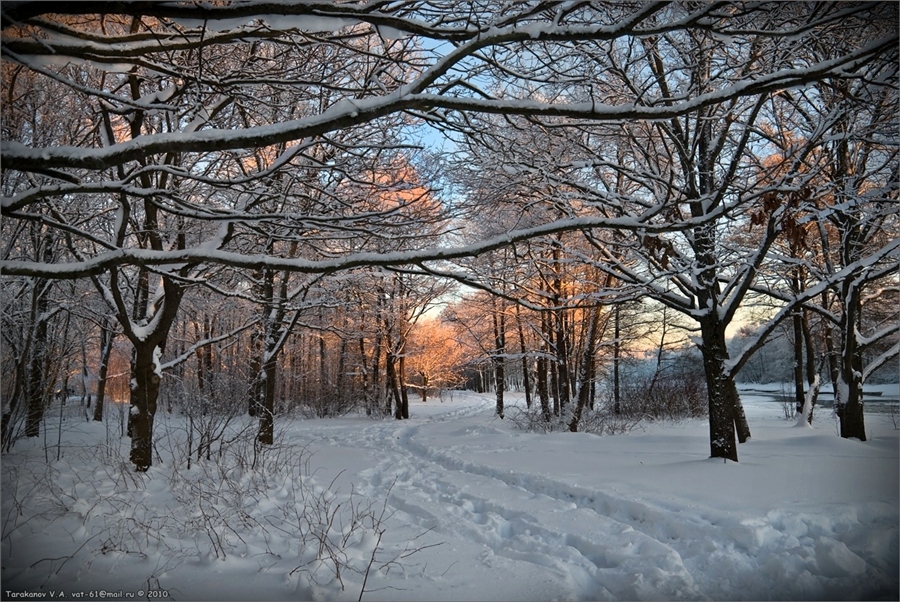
(545, 536)
(490, 512)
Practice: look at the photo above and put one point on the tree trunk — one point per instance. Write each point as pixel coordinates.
(7, 423)
(725, 409)
(848, 395)
(587, 360)
(340, 378)
(617, 350)
(404, 394)
(526, 373)
(364, 372)
(394, 384)
(106, 345)
(721, 402)
(376, 374)
(499, 360)
(799, 393)
(830, 351)
(144, 395)
(543, 394)
(256, 369)
(35, 378)
(324, 385)
(34, 382)
(424, 387)
(500, 377)
(812, 371)
(266, 409)
(853, 424)
(562, 362)
(740, 418)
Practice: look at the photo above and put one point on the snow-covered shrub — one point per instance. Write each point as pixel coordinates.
(246, 503)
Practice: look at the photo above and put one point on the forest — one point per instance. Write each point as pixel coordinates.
(230, 208)
(431, 299)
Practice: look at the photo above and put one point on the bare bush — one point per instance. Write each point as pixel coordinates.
(673, 389)
(600, 421)
(328, 405)
(212, 414)
(223, 505)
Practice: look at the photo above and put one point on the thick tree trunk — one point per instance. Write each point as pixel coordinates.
(144, 395)
(725, 409)
(7, 423)
(35, 378)
(742, 427)
(34, 382)
(340, 378)
(721, 399)
(848, 401)
(554, 386)
(266, 409)
(831, 355)
(324, 384)
(853, 424)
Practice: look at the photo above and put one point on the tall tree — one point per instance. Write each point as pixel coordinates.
(849, 259)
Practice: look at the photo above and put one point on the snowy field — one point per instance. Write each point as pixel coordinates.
(467, 507)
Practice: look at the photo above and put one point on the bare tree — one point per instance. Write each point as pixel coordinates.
(183, 121)
(702, 166)
(841, 257)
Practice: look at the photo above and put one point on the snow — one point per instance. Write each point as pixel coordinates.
(474, 510)
(310, 23)
(390, 34)
(216, 25)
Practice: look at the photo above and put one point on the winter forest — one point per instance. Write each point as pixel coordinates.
(426, 299)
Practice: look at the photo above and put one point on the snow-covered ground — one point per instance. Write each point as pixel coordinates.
(470, 508)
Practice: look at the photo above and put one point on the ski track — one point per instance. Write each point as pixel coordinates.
(599, 546)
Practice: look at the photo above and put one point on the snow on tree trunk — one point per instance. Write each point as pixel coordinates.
(848, 402)
(804, 417)
(266, 409)
(719, 389)
(144, 394)
(849, 408)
